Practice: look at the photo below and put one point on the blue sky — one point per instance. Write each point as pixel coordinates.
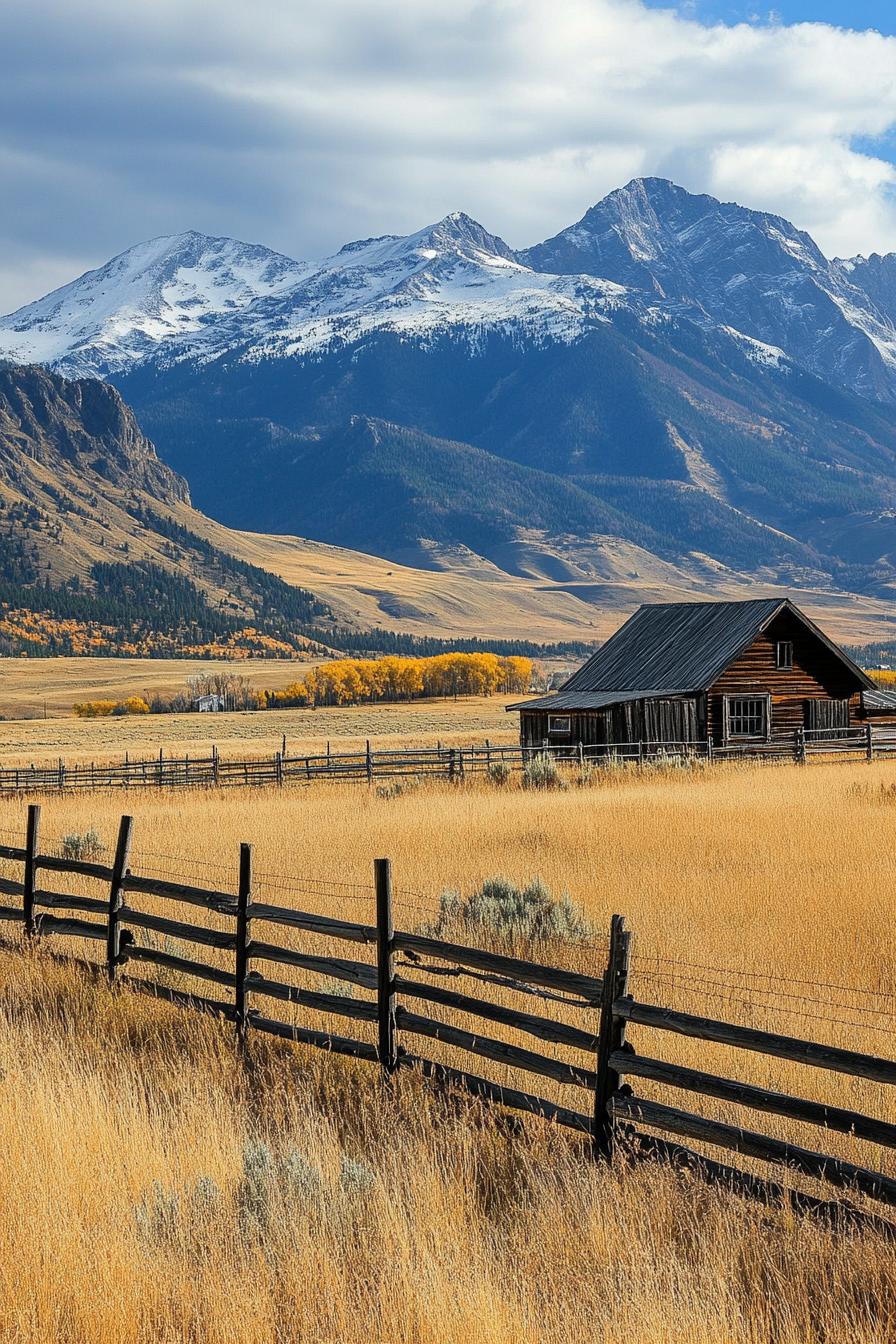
(303, 125)
(858, 14)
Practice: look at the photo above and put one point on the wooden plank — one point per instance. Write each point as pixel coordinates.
(75, 928)
(12, 852)
(80, 867)
(385, 969)
(836, 1213)
(762, 1042)
(337, 1045)
(503, 1096)
(219, 901)
(359, 1009)
(585, 986)
(757, 1098)
(243, 936)
(56, 900)
(836, 1172)
(612, 1037)
(542, 1027)
(300, 919)
(180, 997)
(10, 888)
(511, 1055)
(357, 972)
(134, 952)
(32, 846)
(8, 912)
(190, 933)
(116, 899)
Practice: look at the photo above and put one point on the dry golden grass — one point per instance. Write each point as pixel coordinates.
(466, 1232)
(113, 1107)
(260, 733)
(31, 686)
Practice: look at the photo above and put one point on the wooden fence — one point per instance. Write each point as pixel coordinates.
(451, 763)
(587, 1031)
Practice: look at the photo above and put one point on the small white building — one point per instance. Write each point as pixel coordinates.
(210, 704)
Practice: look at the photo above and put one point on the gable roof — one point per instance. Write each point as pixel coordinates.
(687, 645)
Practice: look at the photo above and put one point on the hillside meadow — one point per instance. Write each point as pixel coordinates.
(159, 1186)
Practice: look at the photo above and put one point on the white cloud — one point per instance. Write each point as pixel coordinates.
(303, 124)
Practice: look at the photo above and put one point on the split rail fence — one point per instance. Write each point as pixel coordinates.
(591, 1015)
(451, 763)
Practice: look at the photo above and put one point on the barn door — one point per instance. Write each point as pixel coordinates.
(827, 718)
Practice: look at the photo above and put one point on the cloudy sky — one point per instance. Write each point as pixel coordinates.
(302, 124)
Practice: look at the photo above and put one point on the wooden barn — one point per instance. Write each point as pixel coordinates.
(729, 673)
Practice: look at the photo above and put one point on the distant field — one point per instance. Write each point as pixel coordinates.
(422, 722)
(29, 686)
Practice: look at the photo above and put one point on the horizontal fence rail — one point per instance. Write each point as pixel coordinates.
(452, 763)
(587, 1015)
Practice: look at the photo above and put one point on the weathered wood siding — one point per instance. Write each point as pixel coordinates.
(670, 720)
(816, 674)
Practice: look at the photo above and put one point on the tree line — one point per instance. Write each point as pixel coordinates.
(355, 681)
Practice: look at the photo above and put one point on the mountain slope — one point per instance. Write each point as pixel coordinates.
(690, 377)
(753, 271)
(876, 277)
(89, 535)
(773, 449)
(141, 300)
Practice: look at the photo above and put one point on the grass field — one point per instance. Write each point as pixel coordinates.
(32, 687)
(418, 723)
(137, 1204)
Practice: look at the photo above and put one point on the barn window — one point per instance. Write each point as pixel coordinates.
(747, 716)
(784, 654)
(559, 725)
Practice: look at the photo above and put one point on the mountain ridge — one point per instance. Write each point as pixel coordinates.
(668, 357)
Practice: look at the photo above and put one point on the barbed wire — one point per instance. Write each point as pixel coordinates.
(689, 982)
(764, 975)
(772, 1009)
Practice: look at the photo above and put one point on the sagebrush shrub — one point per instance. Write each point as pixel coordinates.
(502, 909)
(542, 772)
(84, 846)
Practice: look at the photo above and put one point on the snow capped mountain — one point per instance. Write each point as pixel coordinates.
(189, 297)
(693, 376)
(153, 294)
(748, 270)
(649, 255)
(876, 275)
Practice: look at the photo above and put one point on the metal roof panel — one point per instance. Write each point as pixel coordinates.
(685, 644)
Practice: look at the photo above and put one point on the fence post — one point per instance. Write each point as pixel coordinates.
(243, 934)
(215, 765)
(611, 1036)
(369, 759)
(119, 870)
(799, 746)
(451, 763)
(869, 742)
(279, 768)
(32, 843)
(385, 982)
